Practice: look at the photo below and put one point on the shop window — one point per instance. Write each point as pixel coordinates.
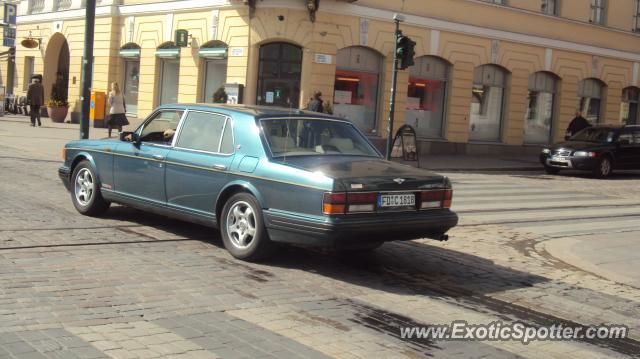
(427, 96)
(356, 86)
(598, 11)
(629, 106)
(590, 96)
(214, 65)
(487, 102)
(636, 17)
(540, 108)
(130, 54)
(280, 67)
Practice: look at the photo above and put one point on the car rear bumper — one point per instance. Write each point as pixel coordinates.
(357, 230)
(64, 173)
(571, 162)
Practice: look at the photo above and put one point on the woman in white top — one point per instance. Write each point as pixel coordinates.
(117, 117)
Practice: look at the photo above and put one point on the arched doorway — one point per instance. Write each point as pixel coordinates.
(356, 87)
(487, 103)
(543, 87)
(214, 68)
(130, 55)
(591, 94)
(427, 96)
(280, 67)
(629, 105)
(56, 65)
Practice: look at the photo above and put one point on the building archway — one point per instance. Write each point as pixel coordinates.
(629, 109)
(486, 119)
(591, 96)
(541, 107)
(56, 65)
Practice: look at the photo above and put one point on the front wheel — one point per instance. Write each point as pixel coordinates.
(242, 227)
(604, 168)
(85, 192)
(551, 170)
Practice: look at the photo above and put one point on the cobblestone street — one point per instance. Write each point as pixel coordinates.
(137, 285)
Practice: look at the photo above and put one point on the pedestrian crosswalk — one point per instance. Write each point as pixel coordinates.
(536, 206)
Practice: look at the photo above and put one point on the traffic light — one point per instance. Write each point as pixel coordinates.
(405, 49)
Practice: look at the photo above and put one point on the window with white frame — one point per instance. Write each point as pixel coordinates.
(598, 11)
(550, 7)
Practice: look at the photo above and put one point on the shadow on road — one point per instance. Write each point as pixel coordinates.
(399, 267)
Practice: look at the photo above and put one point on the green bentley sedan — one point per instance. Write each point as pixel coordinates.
(262, 176)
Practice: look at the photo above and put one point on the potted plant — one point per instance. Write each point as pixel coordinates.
(57, 105)
(220, 96)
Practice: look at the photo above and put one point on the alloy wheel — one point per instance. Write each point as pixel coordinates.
(84, 187)
(241, 224)
(605, 167)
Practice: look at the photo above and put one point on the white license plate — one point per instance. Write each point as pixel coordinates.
(559, 159)
(397, 200)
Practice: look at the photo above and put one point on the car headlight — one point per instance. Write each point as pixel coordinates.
(546, 150)
(584, 154)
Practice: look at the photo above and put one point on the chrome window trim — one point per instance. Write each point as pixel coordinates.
(152, 117)
(227, 119)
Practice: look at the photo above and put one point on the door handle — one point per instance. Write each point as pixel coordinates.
(219, 167)
(158, 157)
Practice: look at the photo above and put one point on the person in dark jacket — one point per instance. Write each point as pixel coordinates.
(578, 124)
(35, 99)
(316, 103)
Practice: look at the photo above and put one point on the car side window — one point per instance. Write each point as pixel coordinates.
(227, 138)
(201, 131)
(161, 128)
(636, 137)
(626, 137)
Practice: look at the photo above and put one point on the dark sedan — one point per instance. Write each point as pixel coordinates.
(261, 175)
(599, 149)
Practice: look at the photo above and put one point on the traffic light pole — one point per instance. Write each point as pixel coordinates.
(87, 67)
(394, 80)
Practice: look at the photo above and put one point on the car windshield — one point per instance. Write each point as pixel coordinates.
(594, 134)
(314, 137)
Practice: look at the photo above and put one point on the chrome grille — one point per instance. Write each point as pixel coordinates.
(562, 152)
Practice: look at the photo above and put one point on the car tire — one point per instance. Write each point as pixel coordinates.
(242, 228)
(85, 190)
(604, 168)
(551, 170)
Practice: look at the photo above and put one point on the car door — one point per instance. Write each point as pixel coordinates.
(197, 165)
(625, 149)
(635, 149)
(139, 168)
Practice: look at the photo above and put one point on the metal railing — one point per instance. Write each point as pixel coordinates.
(62, 5)
(36, 6)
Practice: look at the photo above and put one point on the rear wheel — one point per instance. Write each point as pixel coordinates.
(242, 226)
(551, 170)
(604, 167)
(85, 192)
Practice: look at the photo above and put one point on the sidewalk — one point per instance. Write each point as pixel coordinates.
(50, 138)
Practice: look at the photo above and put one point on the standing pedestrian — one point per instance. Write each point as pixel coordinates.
(578, 124)
(35, 99)
(316, 102)
(117, 116)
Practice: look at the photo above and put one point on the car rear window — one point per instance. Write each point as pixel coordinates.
(314, 137)
(594, 134)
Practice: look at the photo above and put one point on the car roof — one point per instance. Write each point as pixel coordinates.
(250, 110)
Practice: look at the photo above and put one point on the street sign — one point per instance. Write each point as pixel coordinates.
(182, 38)
(10, 14)
(9, 33)
(7, 42)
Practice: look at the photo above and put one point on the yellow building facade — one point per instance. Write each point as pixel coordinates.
(489, 76)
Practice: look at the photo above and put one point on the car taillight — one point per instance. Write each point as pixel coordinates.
(341, 203)
(334, 203)
(436, 199)
(448, 198)
(361, 202)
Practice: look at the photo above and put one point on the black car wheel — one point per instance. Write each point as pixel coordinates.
(242, 226)
(551, 170)
(85, 192)
(604, 167)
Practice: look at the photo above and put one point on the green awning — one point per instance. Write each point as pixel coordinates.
(129, 52)
(213, 52)
(168, 53)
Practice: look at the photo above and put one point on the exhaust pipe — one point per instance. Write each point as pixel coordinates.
(443, 238)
